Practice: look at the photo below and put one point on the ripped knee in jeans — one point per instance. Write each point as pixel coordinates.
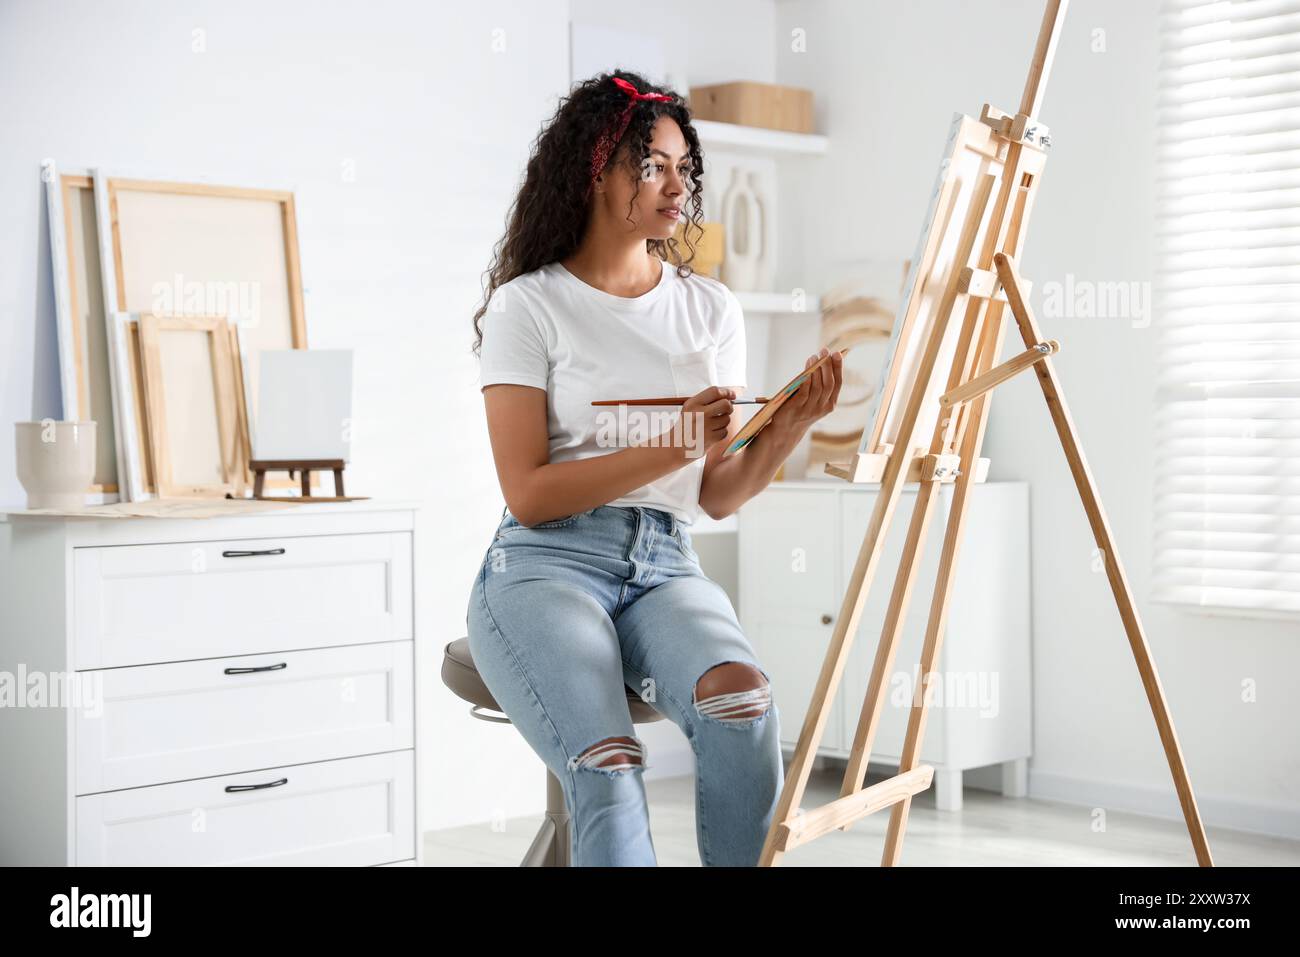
(733, 693)
(611, 756)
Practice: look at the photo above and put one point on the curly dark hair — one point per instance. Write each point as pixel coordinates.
(549, 215)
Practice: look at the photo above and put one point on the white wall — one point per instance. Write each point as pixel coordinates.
(714, 42)
(887, 77)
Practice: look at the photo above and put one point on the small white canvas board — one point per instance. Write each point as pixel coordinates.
(304, 405)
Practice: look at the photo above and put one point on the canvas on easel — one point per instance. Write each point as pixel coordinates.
(928, 427)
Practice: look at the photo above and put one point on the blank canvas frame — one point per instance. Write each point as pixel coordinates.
(136, 461)
(192, 405)
(85, 377)
(960, 212)
(201, 249)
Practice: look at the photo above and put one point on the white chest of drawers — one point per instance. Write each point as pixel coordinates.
(233, 690)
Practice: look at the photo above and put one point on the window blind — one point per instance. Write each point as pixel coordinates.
(1227, 488)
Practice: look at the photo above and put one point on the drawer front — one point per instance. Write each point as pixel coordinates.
(357, 811)
(145, 604)
(160, 723)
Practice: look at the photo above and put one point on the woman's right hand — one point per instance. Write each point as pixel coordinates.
(704, 421)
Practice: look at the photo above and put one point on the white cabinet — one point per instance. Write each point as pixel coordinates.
(799, 543)
(789, 592)
(231, 690)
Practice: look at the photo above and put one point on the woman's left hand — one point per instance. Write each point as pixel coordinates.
(815, 397)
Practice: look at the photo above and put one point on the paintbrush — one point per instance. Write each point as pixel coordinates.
(674, 400)
(790, 387)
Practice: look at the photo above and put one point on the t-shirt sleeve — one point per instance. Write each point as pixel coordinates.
(513, 349)
(731, 344)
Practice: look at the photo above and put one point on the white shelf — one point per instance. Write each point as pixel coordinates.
(777, 304)
(756, 139)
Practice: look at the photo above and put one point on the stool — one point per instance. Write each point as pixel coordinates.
(550, 848)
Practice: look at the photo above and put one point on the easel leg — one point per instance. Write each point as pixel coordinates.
(869, 719)
(909, 564)
(823, 698)
(1046, 374)
(934, 629)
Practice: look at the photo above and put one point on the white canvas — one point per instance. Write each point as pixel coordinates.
(963, 167)
(304, 405)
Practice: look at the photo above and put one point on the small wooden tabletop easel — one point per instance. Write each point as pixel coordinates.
(260, 467)
(967, 259)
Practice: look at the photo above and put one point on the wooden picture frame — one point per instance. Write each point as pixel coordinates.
(84, 364)
(135, 442)
(164, 238)
(192, 407)
(244, 475)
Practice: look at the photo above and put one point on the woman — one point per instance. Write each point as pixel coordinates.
(590, 583)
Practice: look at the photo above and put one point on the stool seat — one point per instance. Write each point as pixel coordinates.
(461, 675)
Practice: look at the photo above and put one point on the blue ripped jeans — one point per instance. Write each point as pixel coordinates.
(562, 615)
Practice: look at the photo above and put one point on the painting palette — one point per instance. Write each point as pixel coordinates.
(764, 415)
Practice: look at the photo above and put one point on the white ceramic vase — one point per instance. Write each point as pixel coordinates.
(55, 462)
(743, 234)
(766, 268)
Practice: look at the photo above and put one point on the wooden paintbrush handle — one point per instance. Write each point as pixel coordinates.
(673, 400)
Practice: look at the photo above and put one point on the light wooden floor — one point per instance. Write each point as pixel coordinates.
(989, 830)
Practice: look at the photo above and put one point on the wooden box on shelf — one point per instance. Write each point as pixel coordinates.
(748, 103)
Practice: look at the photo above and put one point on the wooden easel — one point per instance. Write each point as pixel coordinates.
(305, 467)
(984, 280)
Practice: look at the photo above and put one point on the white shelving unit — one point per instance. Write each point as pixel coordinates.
(763, 142)
(777, 304)
(772, 144)
(758, 141)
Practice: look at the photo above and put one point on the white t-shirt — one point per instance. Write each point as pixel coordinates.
(551, 330)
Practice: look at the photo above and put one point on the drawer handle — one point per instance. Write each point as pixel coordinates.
(249, 671)
(255, 787)
(235, 553)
